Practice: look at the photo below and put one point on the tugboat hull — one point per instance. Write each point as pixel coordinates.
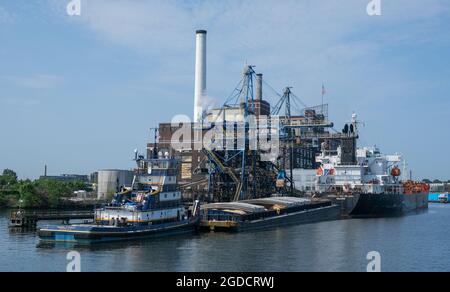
(90, 234)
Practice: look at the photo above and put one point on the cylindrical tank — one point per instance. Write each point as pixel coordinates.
(110, 181)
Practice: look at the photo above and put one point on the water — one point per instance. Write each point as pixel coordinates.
(411, 243)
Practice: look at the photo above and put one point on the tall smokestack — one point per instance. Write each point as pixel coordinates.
(200, 74)
(259, 79)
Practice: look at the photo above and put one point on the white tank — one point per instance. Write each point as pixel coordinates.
(110, 181)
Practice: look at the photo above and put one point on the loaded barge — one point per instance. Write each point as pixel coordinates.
(151, 208)
(265, 213)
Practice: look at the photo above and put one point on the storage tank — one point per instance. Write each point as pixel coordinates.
(111, 181)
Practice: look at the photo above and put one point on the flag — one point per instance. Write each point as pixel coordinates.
(324, 91)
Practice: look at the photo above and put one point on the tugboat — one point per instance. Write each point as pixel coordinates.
(371, 187)
(151, 207)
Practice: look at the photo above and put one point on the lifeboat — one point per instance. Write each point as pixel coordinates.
(319, 171)
(396, 172)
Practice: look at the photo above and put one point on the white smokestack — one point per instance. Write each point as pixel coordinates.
(200, 75)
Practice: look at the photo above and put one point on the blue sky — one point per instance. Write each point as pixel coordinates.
(80, 93)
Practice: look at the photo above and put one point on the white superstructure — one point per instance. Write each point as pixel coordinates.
(372, 172)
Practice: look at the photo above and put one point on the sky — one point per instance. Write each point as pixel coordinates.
(80, 93)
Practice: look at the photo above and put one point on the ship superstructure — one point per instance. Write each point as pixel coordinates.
(373, 173)
(371, 186)
(153, 199)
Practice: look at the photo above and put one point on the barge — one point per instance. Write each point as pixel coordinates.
(265, 213)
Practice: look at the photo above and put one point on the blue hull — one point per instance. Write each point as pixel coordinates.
(90, 234)
(434, 198)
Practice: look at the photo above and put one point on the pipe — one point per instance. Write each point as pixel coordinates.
(259, 78)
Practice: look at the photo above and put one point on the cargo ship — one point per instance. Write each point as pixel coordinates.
(371, 187)
(152, 207)
(257, 214)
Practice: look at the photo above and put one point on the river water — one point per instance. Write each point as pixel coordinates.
(411, 243)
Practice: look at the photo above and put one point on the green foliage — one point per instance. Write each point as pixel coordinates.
(34, 194)
(3, 200)
(8, 178)
(30, 196)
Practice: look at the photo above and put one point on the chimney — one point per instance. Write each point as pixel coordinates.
(200, 74)
(259, 78)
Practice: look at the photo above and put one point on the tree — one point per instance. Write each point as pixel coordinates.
(8, 178)
(427, 181)
(436, 181)
(30, 196)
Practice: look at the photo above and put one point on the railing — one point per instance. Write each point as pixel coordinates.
(51, 215)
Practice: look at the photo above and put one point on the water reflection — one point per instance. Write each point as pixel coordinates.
(412, 243)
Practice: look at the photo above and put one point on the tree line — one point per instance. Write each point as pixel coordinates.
(436, 181)
(40, 193)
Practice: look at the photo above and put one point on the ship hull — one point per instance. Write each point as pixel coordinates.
(328, 213)
(382, 205)
(91, 234)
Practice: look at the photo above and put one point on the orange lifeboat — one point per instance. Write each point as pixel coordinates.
(319, 171)
(396, 172)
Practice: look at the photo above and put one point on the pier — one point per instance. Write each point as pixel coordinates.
(22, 218)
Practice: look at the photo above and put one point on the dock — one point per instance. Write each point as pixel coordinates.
(23, 218)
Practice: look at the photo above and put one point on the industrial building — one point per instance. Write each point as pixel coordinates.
(239, 172)
(67, 178)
